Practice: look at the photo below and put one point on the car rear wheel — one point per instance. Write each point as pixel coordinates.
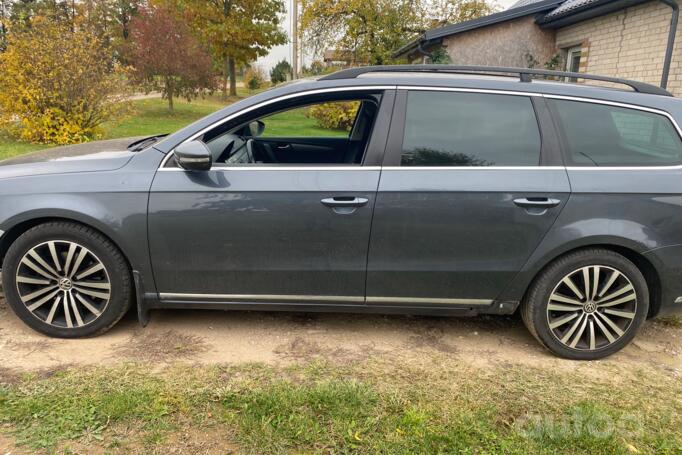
(66, 280)
(587, 305)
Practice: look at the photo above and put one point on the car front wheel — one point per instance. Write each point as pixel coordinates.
(587, 305)
(66, 280)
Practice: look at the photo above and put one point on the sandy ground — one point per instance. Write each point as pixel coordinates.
(215, 337)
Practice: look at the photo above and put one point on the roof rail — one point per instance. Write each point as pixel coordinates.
(524, 74)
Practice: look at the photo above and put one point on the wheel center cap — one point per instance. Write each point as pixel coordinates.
(590, 307)
(65, 284)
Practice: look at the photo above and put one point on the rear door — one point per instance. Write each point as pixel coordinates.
(471, 182)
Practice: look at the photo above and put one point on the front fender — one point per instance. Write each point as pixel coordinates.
(112, 202)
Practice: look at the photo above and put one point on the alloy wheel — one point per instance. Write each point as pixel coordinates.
(63, 284)
(591, 308)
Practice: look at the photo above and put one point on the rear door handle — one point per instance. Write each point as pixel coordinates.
(345, 201)
(538, 202)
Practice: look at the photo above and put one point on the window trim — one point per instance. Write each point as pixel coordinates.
(397, 108)
(564, 145)
(548, 157)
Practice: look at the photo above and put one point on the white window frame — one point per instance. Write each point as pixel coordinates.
(570, 53)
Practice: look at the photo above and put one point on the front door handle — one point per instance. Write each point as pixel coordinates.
(345, 201)
(538, 202)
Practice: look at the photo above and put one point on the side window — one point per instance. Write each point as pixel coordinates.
(323, 132)
(470, 129)
(603, 135)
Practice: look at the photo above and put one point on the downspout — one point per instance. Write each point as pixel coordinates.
(421, 50)
(671, 40)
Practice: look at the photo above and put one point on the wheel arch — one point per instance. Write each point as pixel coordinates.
(20, 227)
(648, 269)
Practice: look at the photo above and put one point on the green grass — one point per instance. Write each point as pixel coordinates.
(151, 116)
(10, 147)
(295, 123)
(440, 407)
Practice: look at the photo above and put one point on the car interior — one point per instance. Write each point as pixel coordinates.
(249, 142)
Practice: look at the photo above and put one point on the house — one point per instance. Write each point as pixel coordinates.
(632, 39)
(339, 58)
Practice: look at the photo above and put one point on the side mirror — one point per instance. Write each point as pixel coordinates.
(256, 128)
(193, 156)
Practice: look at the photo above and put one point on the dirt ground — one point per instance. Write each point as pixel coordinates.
(215, 337)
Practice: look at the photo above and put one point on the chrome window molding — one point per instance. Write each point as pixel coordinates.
(424, 168)
(283, 168)
(287, 297)
(473, 168)
(427, 301)
(468, 90)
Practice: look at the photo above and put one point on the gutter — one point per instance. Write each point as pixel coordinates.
(421, 50)
(671, 40)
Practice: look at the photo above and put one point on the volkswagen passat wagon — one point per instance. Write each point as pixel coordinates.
(437, 190)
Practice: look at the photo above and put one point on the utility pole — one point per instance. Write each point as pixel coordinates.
(294, 37)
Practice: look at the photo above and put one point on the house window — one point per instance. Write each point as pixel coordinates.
(573, 61)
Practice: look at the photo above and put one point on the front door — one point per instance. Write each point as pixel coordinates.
(465, 197)
(283, 216)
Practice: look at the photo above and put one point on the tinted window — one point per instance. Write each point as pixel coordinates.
(601, 135)
(470, 129)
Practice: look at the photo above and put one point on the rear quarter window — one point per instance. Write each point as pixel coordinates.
(604, 135)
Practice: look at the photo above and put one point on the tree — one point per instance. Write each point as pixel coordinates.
(23, 12)
(167, 57)
(280, 72)
(57, 85)
(371, 31)
(5, 10)
(109, 18)
(235, 31)
(440, 57)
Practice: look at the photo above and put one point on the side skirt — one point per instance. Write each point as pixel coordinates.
(335, 307)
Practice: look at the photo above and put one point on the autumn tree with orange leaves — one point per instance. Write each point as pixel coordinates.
(234, 31)
(167, 57)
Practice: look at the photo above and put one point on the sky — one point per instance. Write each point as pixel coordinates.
(284, 52)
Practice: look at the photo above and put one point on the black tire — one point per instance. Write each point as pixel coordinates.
(536, 316)
(99, 248)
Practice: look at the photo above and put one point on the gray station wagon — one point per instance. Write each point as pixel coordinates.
(446, 191)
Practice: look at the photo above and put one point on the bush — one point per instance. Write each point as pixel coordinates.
(254, 78)
(280, 72)
(335, 116)
(56, 85)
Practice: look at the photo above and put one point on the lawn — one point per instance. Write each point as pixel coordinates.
(147, 117)
(440, 406)
(151, 116)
